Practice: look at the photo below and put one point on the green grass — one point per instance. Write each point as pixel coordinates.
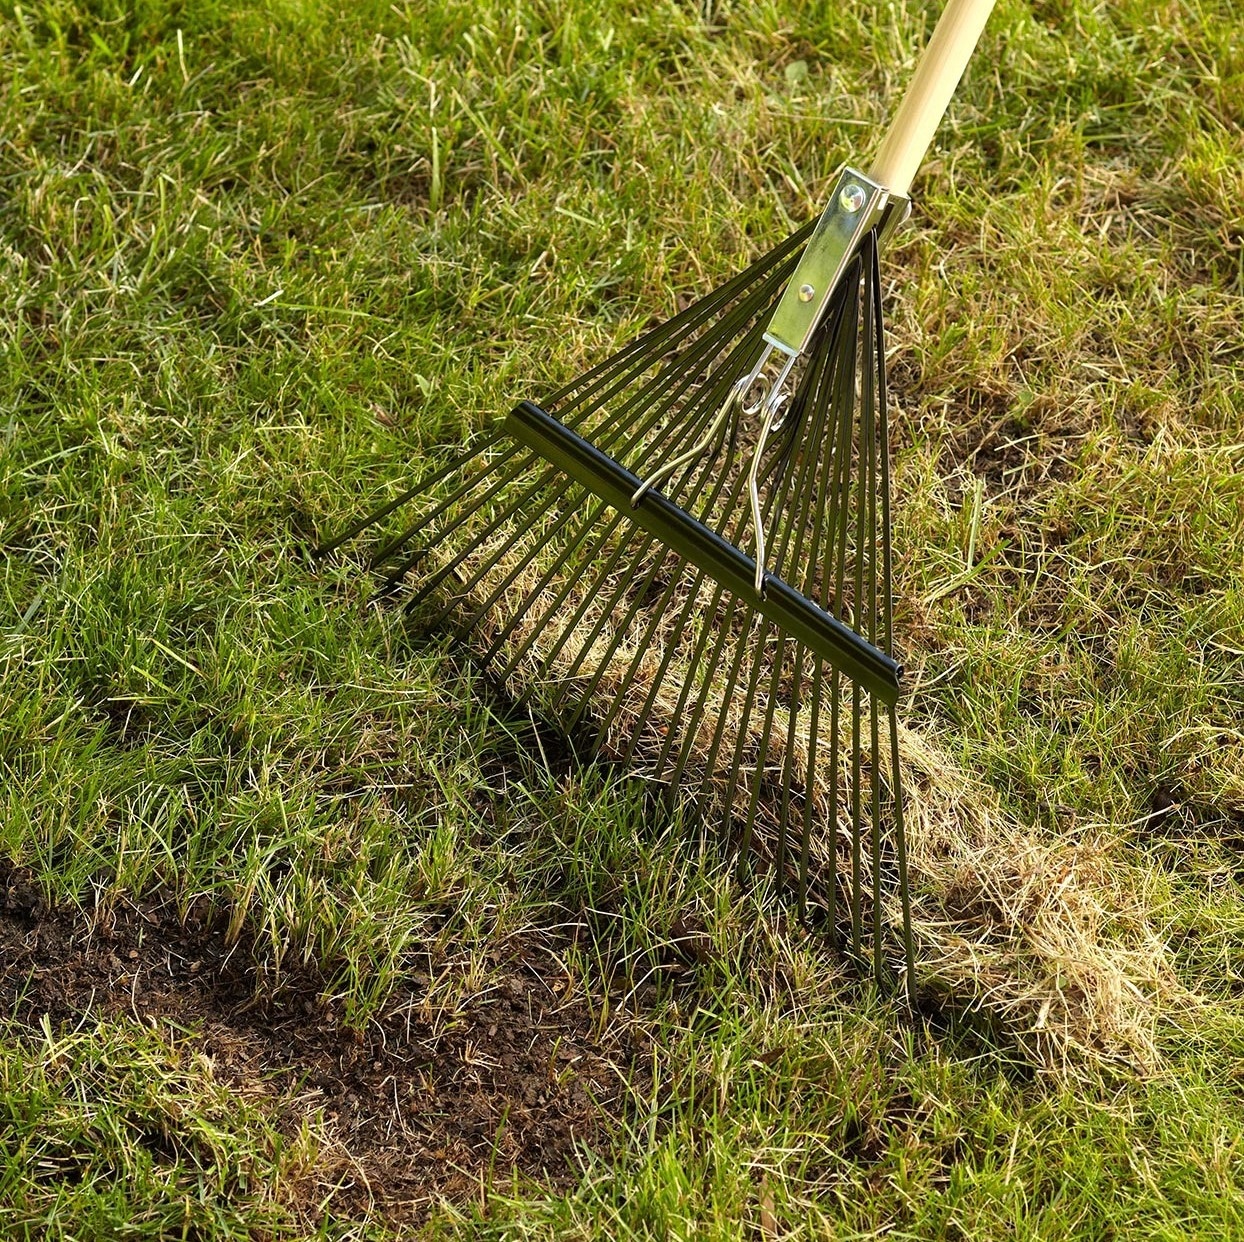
(257, 262)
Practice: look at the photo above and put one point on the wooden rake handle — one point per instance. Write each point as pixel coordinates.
(938, 73)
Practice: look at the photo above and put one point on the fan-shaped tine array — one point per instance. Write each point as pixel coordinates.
(640, 647)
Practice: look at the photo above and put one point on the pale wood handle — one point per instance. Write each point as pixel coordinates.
(938, 73)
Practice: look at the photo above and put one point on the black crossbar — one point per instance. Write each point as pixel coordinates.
(707, 550)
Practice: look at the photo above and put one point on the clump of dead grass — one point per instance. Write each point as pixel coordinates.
(1053, 939)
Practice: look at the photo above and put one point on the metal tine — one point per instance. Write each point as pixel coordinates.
(657, 614)
(836, 388)
(632, 413)
(430, 584)
(856, 861)
(625, 547)
(680, 625)
(762, 749)
(641, 410)
(658, 679)
(455, 463)
(680, 325)
(739, 641)
(659, 395)
(875, 786)
(776, 504)
(710, 673)
(887, 605)
(425, 520)
(556, 569)
(567, 549)
(788, 766)
(737, 760)
(679, 372)
(773, 267)
(844, 405)
(809, 804)
(584, 699)
(591, 392)
(708, 627)
(825, 509)
(900, 851)
(705, 407)
(868, 396)
(858, 622)
(567, 628)
(741, 646)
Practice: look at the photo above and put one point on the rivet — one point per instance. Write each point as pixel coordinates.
(806, 293)
(852, 197)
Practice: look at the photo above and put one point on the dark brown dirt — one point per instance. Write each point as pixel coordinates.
(420, 1105)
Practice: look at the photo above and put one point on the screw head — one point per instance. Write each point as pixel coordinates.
(806, 293)
(852, 197)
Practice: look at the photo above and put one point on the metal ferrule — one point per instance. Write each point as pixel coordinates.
(856, 205)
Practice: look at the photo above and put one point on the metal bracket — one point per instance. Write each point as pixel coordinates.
(856, 204)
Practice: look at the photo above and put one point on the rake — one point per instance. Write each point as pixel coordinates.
(682, 558)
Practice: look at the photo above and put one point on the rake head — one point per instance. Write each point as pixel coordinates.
(600, 553)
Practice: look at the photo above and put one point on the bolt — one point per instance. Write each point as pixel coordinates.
(806, 293)
(852, 197)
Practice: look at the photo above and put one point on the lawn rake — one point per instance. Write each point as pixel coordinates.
(682, 558)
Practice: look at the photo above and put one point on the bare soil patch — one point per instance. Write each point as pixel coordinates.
(425, 1103)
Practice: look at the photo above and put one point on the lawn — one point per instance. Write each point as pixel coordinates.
(302, 934)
